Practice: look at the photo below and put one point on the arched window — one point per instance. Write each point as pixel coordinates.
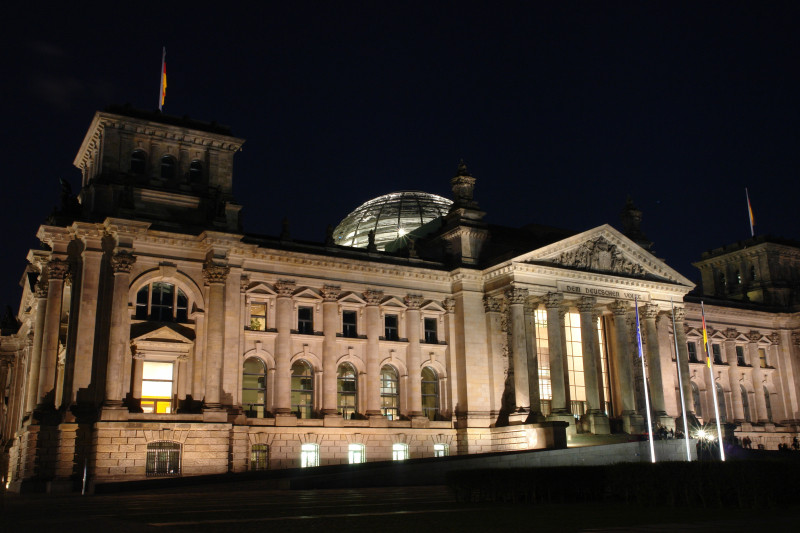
(163, 302)
(355, 454)
(389, 393)
(745, 403)
(163, 458)
(767, 403)
(254, 388)
(347, 390)
(138, 162)
(399, 452)
(441, 450)
(302, 389)
(168, 167)
(196, 171)
(696, 399)
(723, 415)
(259, 457)
(309, 455)
(430, 393)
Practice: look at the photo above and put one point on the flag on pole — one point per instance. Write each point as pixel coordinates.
(713, 390)
(163, 87)
(705, 341)
(750, 212)
(644, 381)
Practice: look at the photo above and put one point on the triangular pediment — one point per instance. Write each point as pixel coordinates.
(604, 250)
(307, 294)
(393, 301)
(148, 332)
(261, 289)
(352, 298)
(431, 305)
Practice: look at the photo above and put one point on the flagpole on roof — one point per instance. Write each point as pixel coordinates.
(680, 384)
(644, 375)
(710, 365)
(162, 87)
(750, 213)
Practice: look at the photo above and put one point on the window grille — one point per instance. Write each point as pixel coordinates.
(163, 459)
(259, 457)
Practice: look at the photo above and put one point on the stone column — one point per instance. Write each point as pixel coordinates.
(36, 351)
(734, 375)
(516, 298)
(5, 411)
(683, 365)
(758, 378)
(56, 272)
(650, 314)
(373, 319)
(215, 276)
(632, 421)
(283, 341)
(86, 330)
(181, 364)
(414, 358)
(495, 343)
(535, 415)
(449, 327)
(330, 325)
(138, 373)
(119, 336)
(555, 335)
(590, 347)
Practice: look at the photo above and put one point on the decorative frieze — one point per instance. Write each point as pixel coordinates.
(599, 255)
(122, 262)
(774, 337)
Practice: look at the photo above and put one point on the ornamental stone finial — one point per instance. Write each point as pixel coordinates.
(122, 262)
(449, 304)
(413, 301)
(553, 299)
(463, 186)
(285, 287)
(373, 297)
(491, 305)
(516, 295)
(330, 293)
(618, 307)
(587, 304)
(57, 269)
(215, 273)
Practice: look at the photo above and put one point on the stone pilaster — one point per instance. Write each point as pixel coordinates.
(215, 277)
(496, 340)
(414, 357)
(449, 305)
(555, 336)
(734, 375)
(650, 315)
(373, 322)
(283, 370)
(330, 325)
(631, 420)
(40, 294)
(683, 366)
(119, 336)
(758, 378)
(517, 298)
(56, 272)
(590, 347)
(87, 319)
(532, 356)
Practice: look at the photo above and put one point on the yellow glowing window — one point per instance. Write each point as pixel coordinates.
(157, 387)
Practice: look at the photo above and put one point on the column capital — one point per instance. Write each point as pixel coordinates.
(57, 269)
(491, 305)
(774, 337)
(552, 299)
(731, 334)
(754, 335)
(215, 273)
(330, 293)
(650, 311)
(40, 290)
(413, 301)
(244, 282)
(449, 304)
(285, 287)
(796, 338)
(680, 314)
(587, 304)
(373, 297)
(516, 295)
(122, 262)
(619, 307)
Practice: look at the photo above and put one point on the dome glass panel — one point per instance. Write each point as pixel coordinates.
(390, 216)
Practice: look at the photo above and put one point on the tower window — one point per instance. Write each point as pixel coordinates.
(349, 324)
(138, 162)
(740, 356)
(717, 354)
(168, 167)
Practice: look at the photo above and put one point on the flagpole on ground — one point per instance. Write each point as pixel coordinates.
(644, 376)
(710, 365)
(680, 384)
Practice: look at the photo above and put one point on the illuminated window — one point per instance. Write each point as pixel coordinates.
(138, 162)
(696, 399)
(157, 379)
(168, 167)
(767, 404)
(390, 327)
(762, 357)
(431, 336)
(715, 350)
(254, 388)
(163, 459)
(441, 450)
(349, 324)
(577, 385)
(355, 454)
(692, 348)
(399, 452)
(430, 393)
(347, 390)
(258, 316)
(740, 356)
(302, 389)
(309, 455)
(389, 393)
(543, 352)
(745, 403)
(604, 367)
(195, 171)
(163, 302)
(259, 457)
(305, 320)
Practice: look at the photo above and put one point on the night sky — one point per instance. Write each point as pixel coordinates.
(559, 109)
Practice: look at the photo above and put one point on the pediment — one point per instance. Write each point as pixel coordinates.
(393, 301)
(148, 332)
(431, 305)
(352, 298)
(307, 294)
(261, 289)
(605, 250)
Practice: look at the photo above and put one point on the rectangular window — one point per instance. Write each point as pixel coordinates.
(259, 457)
(390, 327)
(762, 356)
(305, 320)
(692, 348)
(258, 316)
(440, 450)
(740, 356)
(349, 324)
(399, 452)
(431, 336)
(355, 454)
(543, 350)
(157, 387)
(577, 385)
(717, 354)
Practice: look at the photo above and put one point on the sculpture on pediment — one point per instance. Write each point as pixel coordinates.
(599, 255)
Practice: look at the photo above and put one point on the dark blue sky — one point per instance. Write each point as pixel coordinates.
(560, 109)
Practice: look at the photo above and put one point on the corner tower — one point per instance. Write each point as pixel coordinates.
(173, 172)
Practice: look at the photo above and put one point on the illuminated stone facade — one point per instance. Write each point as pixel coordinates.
(155, 338)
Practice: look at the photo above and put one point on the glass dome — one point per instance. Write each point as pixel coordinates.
(390, 216)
